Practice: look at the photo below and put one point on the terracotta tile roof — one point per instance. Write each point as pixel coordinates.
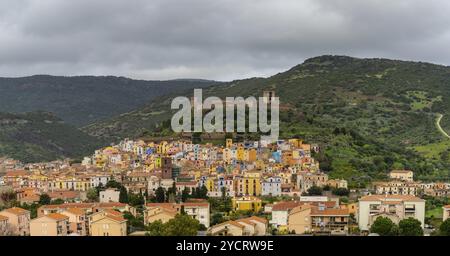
(230, 222)
(447, 206)
(57, 216)
(16, 211)
(76, 211)
(300, 208)
(68, 205)
(112, 217)
(195, 204)
(111, 212)
(161, 205)
(171, 212)
(285, 206)
(64, 194)
(30, 198)
(2, 218)
(248, 222)
(259, 219)
(112, 204)
(16, 173)
(387, 198)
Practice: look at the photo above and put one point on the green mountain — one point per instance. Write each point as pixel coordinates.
(41, 136)
(369, 115)
(81, 100)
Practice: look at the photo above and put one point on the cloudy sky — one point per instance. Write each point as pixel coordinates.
(212, 39)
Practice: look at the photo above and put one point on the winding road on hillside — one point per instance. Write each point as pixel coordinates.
(438, 125)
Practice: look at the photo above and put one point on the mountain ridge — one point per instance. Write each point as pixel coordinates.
(80, 100)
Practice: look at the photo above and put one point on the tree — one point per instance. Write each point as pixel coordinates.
(136, 200)
(340, 191)
(185, 194)
(160, 195)
(216, 218)
(123, 195)
(384, 227)
(201, 192)
(410, 227)
(57, 201)
(445, 228)
(8, 198)
(44, 199)
(314, 191)
(156, 228)
(182, 225)
(134, 223)
(92, 195)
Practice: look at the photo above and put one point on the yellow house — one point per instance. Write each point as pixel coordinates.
(352, 208)
(18, 219)
(252, 155)
(240, 154)
(163, 214)
(295, 142)
(260, 165)
(229, 143)
(108, 223)
(109, 226)
(162, 148)
(158, 162)
(299, 219)
(210, 184)
(229, 228)
(250, 184)
(227, 155)
(53, 224)
(246, 204)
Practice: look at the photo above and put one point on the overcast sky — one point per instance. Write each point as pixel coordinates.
(212, 39)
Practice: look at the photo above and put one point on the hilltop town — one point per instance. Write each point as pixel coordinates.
(252, 188)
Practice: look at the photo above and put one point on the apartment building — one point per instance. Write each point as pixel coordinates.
(397, 187)
(18, 220)
(318, 219)
(53, 224)
(271, 186)
(109, 195)
(107, 223)
(395, 207)
(405, 175)
(166, 211)
(78, 221)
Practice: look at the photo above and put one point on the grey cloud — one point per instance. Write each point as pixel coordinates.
(164, 39)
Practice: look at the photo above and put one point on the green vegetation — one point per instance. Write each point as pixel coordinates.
(384, 226)
(181, 225)
(410, 227)
(81, 100)
(444, 229)
(40, 136)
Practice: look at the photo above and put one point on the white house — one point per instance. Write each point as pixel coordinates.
(109, 195)
(271, 186)
(395, 207)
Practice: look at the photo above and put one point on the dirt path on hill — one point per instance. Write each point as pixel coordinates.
(438, 125)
